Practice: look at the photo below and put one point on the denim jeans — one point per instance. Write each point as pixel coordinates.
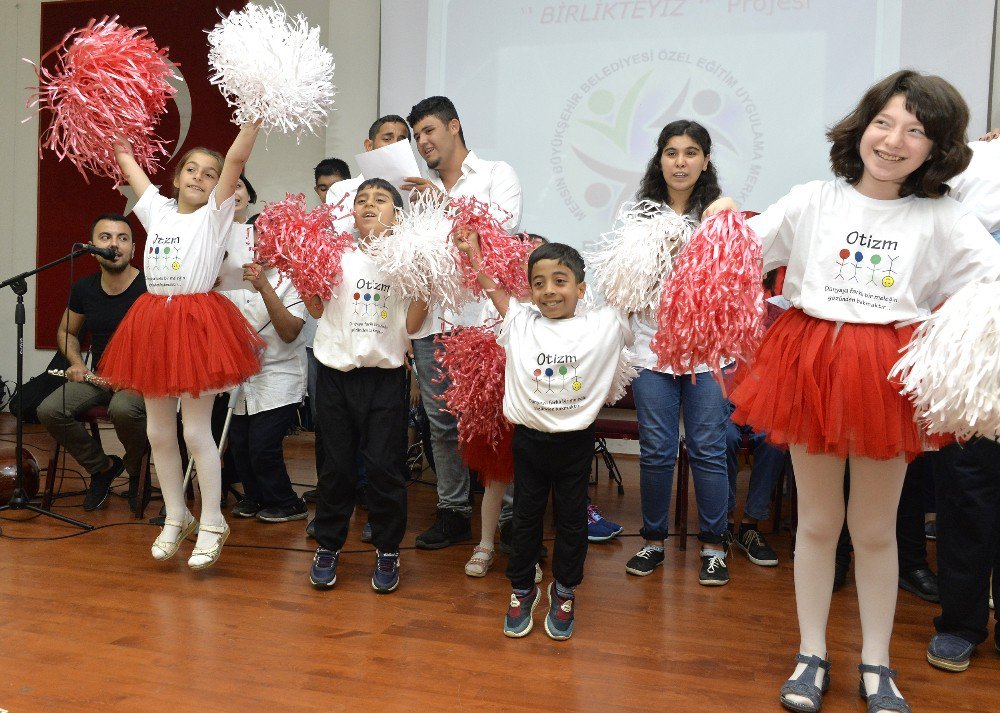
(452, 473)
(658, 402)
(768, 463)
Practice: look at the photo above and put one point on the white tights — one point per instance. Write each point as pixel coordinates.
(161, 429)
(871, 519)
(490, 512)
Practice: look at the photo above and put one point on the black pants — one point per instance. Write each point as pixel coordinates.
(255, 442)
(968, 544)
(362, 409)
(560, 463)
(910, 514)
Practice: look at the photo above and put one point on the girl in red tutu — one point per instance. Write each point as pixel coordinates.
(879, 245)
(181, 340)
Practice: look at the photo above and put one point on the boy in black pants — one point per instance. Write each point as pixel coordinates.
(361, 344)
(560, 368)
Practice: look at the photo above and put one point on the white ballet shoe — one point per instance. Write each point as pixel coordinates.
(204, 557)
(164, 549)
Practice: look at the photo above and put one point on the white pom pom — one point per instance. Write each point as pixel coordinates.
(624, 373)
(630, 263)
(272, 69)
(419, 257)
(951, 367)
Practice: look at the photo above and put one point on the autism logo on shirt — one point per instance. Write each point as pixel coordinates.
(556, 373)
(867, 261)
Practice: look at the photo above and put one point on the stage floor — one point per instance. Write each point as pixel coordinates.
(92, 623)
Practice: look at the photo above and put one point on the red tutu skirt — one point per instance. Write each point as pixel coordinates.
(181, 344)
(494, 464)
(828, 389)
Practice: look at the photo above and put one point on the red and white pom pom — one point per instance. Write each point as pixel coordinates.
(504, 257)
(108, 80)
(302, 245)
(272, 69)
(630, 262)
(625, 371)
(419, 257)
(712, 305)
(951, 367)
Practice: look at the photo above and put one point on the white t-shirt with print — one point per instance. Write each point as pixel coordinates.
(183, 251)
(978, 186)
(559, 371)
(364, 325)
(860, 260)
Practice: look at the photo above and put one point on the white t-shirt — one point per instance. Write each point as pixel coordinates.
(857, 259)
(282, 378)
(978, 187)
(559, 371)
(345, 191)
(364, 325)
(183, 252)
(496, 184)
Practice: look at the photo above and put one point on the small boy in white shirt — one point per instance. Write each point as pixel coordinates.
(361, 344)
(560, 367)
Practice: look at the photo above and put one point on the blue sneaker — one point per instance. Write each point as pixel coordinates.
(518, 621)
(600, 529)
(559, 620)
(323, 574)
(385, 579)
(366, 532)
(949, 652)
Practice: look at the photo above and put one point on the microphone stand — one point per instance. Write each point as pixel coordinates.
(19, 499)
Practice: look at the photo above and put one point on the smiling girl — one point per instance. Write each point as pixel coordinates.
(879, 245)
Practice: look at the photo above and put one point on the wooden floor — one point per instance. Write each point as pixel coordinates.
(92, 623)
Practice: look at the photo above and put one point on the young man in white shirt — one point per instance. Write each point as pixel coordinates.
(456, 171)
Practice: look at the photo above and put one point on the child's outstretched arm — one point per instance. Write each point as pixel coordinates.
(468, 242)
(415, 315)
(236, 161)
(134, 174)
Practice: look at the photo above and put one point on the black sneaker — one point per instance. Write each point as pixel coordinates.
(758, 551)
(645, 561)
(450, 528)
(100, 484)
(714, 572)
(323, 573)
(298, 511)
(385, 578)
(246, 508)
(311, 529)
(311, 496)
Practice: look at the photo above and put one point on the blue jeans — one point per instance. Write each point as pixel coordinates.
(768, 462)
(658, 401)
(452, 473)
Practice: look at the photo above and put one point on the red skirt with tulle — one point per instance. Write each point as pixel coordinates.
(828, 389)
(493, 464)
(174, 345)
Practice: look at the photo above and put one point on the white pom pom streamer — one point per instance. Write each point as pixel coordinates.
(420, 258)
(630, 262)
(624, 373)
(272, 69)
(951, 367)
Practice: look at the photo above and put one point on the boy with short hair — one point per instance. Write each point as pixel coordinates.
(361, 344)
(327, 172)
(560, 368)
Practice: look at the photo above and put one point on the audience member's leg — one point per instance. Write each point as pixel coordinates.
(239, 446)
(268, 429)
(58, 414)
(127, 412)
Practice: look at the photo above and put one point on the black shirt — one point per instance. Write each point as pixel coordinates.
(102, 311)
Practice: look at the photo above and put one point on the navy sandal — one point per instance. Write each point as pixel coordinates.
(805, 687)
(884, 699)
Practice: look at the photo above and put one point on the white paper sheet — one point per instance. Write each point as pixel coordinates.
(393, 163)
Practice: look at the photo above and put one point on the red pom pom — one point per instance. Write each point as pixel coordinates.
(712, 304)
(504, 256)
(302, 245)
(110, 80)
(475, 364)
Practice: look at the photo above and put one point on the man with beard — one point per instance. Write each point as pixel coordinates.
(98, 303)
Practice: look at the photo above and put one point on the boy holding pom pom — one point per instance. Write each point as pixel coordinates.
(560, 367)
(361, 343)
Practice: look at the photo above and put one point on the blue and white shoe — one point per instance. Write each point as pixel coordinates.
(599, 528)
(385, 578)
(323, 574)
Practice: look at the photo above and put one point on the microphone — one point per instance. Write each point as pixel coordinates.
(106, 253)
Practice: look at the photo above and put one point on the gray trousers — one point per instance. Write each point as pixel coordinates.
(126, 410)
